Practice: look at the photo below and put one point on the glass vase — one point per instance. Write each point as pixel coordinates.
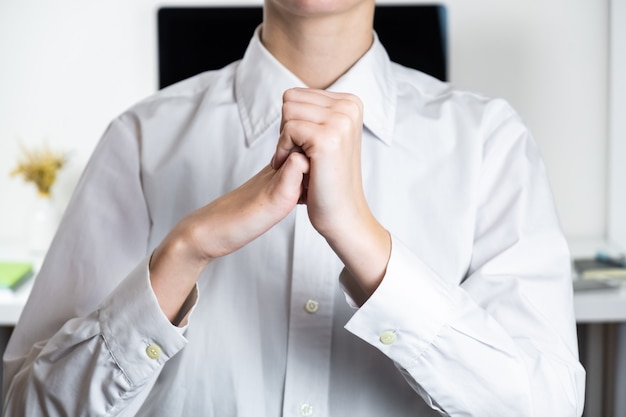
(43, 225)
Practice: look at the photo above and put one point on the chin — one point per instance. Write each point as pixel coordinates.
(316, 7)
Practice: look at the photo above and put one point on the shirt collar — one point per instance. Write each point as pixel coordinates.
(260, 81)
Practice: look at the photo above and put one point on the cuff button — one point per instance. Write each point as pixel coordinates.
(153, 351)
(388, 337)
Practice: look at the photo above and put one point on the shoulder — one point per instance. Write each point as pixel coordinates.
(431, 97)
(183, 98)
(198, 84)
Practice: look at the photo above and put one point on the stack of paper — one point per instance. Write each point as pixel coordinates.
(597, 269)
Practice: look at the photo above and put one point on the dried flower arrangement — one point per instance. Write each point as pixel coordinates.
(40, 166)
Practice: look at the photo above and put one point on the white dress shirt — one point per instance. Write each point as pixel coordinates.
(474, 316)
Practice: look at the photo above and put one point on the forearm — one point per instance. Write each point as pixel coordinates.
(174, 271)
(364, 249)
(220, 228)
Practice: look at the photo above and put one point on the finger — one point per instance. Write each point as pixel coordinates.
(308, 95)
(296, 166)
(318, 106)
(296, 136)
(293, 174)
(321, 98)
(300, 110)
(314, 95)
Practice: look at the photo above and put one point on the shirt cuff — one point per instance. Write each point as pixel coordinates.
(135, 329)
(407, 311)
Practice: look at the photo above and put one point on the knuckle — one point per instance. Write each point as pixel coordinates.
(351, 106)
(343, 122)
(342, 119)
(356, 104)
(289, 94)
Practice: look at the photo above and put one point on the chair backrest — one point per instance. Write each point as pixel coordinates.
(195, 39)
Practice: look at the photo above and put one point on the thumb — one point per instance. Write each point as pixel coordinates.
(290, 177)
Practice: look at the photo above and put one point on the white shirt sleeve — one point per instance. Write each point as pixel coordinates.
(502, 342)
(115, 353)
(92, 338)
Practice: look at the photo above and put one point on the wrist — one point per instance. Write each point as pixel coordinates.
(174, 270)
(364, 248)
(181, 248)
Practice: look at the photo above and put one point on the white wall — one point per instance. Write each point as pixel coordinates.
(617, 128)
(67, 67)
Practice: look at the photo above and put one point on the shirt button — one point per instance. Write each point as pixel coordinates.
(311, 306)
(153, 351)
(388, 337)
(306, 410)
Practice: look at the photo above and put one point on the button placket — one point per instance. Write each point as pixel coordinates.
(314, 274)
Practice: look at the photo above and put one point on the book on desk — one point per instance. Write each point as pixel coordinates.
(599, 272)
(14, 274)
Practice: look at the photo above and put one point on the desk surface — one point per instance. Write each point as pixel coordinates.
(12, 302)
(601, 305)
(598, 306)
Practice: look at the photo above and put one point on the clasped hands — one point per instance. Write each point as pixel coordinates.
(318, 163)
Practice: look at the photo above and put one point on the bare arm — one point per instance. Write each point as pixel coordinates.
(222, 227)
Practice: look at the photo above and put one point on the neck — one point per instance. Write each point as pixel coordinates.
(318, 49)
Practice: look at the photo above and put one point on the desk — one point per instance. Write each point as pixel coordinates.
(599, 315)
(12, 302)
(602, 306)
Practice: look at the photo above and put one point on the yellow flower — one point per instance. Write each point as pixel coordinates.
(40, 167)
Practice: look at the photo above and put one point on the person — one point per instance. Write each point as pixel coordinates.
(310, 231)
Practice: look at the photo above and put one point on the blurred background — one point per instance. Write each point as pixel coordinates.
(67, 67)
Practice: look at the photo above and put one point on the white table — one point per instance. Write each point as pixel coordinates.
(12, 302)
(601, 306)
(600, 315)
